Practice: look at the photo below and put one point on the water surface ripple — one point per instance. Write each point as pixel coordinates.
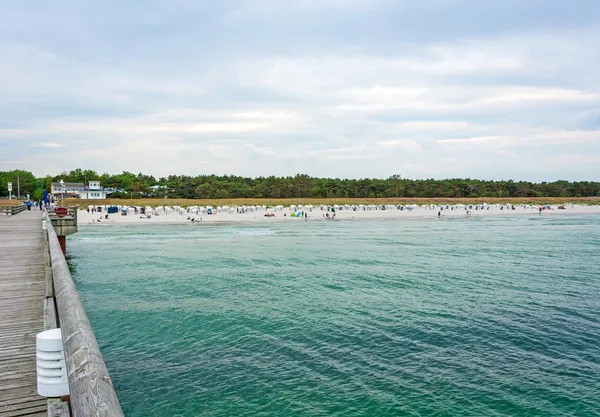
(443, 317)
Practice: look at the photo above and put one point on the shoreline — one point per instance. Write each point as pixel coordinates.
(257, 217)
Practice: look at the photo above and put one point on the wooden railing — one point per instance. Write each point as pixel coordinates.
(91, 389)
(12, 210)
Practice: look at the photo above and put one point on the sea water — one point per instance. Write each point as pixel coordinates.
(495, 316)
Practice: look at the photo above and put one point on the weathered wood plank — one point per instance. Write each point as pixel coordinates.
(91, 388)
(49, 314)
(36, 410)
(20, 400)
(48, 268)
(22, 291)
(19, 392)
(58, 408)
(24, 409)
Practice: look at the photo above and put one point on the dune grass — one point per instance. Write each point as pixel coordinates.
(7, 203)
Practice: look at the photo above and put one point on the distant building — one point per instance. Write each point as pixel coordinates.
(158, 190)
(70, 189)
(93, 192)
(78, 190)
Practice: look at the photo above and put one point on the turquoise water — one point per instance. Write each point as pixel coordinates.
(443, 317)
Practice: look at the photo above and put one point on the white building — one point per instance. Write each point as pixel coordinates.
(158, 191)
(93, 192)
(68, 189)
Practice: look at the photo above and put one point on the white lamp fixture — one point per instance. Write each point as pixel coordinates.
(51, 367)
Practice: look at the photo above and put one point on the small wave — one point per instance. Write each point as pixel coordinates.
(95, 238)
(253, 232)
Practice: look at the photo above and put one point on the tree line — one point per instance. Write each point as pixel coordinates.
(299, 186)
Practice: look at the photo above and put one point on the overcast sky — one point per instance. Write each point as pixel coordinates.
(493, 89)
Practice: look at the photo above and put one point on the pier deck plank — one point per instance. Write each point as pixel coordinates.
(22, 293)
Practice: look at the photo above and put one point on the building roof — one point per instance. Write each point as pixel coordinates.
(68, 184)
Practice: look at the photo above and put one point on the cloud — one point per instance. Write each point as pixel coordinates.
(350, 88)
(48, 145)
(454, 100)
(529, 94)
(505, 152)
(579, 161)
(530, 137)
(172, 122)
(6, 133)
(405, 144)
(479, 139)
(260, 151)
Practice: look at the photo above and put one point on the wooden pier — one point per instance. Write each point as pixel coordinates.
(37, 293)
(22, 294)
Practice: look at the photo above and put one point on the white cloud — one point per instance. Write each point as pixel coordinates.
(49, 145)
(434, 125)
(570, 160)
(459, 100)
(277, 88)
(174, 122)
(505, 152)
(405, 144)
(529, 137)
(544, 95)
(477, 139)
(6, 133)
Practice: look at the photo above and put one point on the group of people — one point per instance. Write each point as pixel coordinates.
(35, 204)
(302, 215)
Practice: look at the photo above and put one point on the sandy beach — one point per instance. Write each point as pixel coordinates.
(182, 216)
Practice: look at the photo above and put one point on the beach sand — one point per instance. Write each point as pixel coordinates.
(85, 218)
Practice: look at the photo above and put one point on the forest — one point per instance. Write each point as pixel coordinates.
(299, 186)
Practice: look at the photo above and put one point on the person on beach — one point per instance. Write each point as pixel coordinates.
(440, 213)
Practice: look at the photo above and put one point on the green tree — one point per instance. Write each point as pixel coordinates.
(38, 194)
